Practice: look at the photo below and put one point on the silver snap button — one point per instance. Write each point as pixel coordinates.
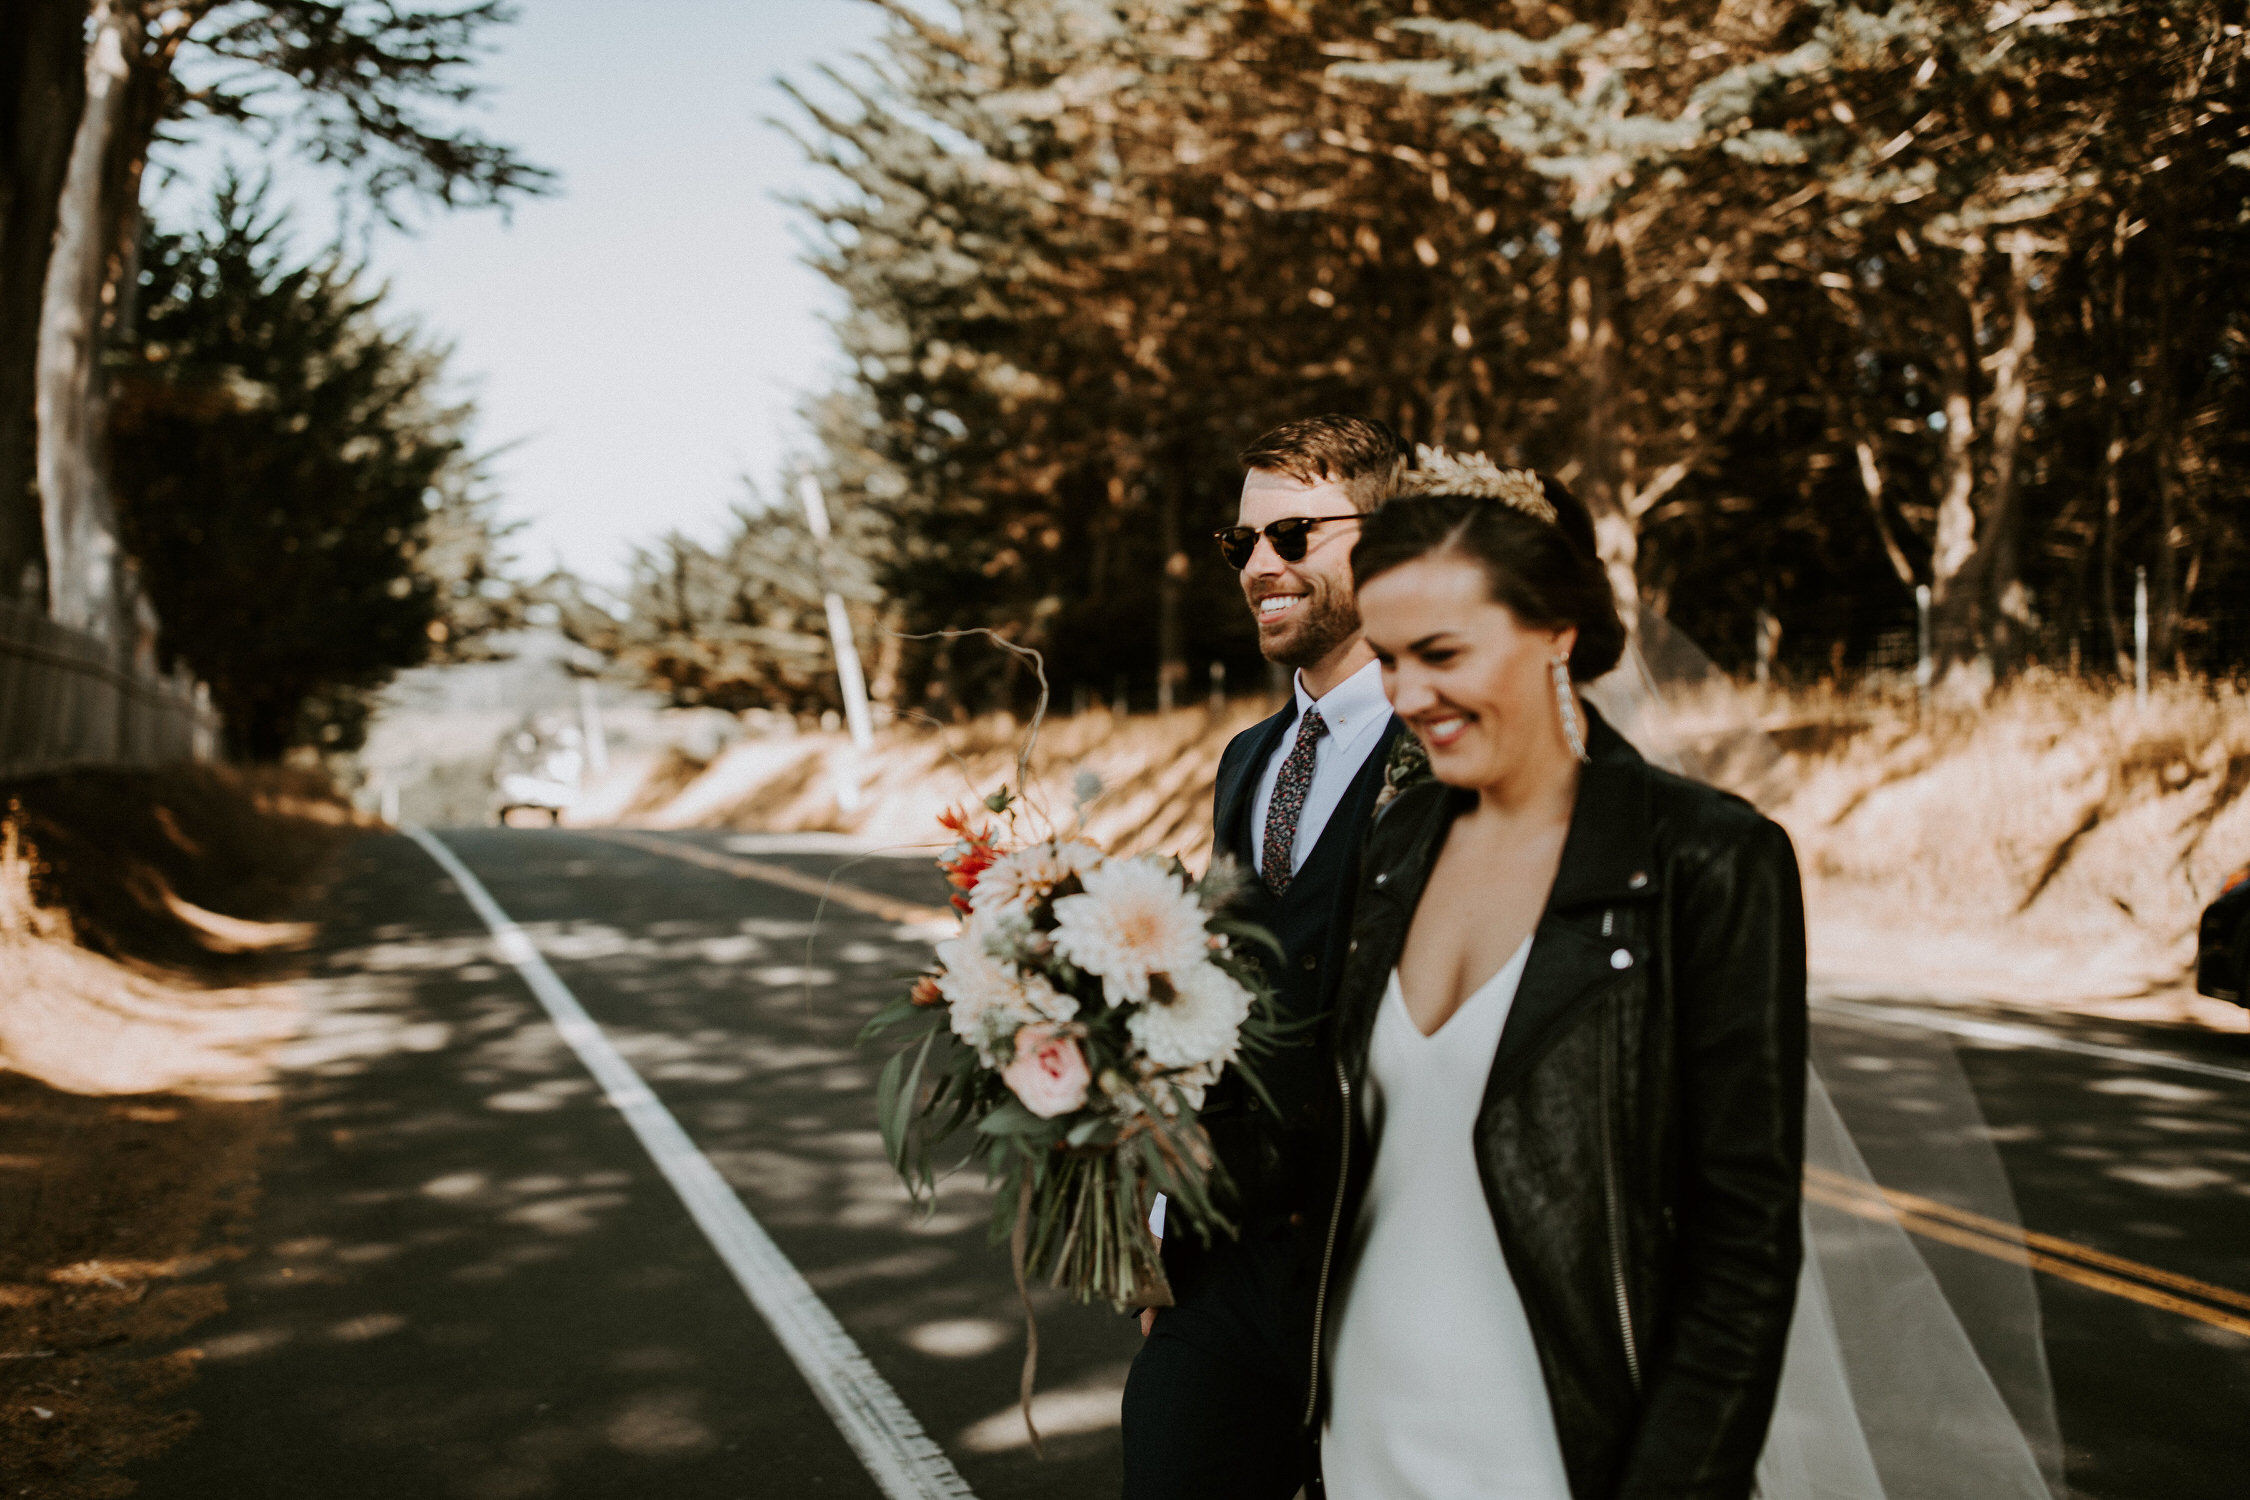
(1640, 878)
(1621, 959)
(1381, 876)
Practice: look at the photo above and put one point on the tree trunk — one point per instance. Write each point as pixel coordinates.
(85, 564)
(1978, 605)
(890, 654)
(2002, 563)
(1171, 656)
(1954, 619)
(2108, 384)
(2163, 402)
(42, 94)
(1596, 273)
(1871, 484)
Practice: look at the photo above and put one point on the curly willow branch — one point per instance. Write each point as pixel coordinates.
(1038, 668)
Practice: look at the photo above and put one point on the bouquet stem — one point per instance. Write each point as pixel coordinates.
(1088, 1231)
(1016, 1243)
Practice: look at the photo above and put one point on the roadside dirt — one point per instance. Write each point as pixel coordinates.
(146, 941)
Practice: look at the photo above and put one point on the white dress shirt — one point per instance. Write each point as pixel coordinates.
(1355, 712)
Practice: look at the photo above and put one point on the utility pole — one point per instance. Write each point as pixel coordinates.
(2140, 637)
(1925, 660)
(849, 675)
(596, 734)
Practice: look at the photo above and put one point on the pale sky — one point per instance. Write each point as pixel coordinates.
(642, 336)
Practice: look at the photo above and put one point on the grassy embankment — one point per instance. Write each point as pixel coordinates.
(144, 947)
(2052, 846)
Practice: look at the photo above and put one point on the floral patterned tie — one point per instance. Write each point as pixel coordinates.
(1289, 789)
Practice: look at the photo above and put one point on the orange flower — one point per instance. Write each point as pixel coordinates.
(955, 820)
(962, 873)
(926, 992)
(967, 859)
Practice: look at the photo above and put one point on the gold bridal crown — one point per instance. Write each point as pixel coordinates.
(1438, 472)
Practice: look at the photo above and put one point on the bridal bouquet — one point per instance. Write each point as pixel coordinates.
(1071, 1028)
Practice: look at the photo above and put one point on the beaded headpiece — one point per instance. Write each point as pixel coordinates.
(1438, 472)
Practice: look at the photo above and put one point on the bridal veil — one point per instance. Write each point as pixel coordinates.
(1915, 1368)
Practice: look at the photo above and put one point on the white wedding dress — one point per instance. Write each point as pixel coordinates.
(1438, 1393)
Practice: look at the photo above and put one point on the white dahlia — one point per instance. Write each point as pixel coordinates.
(1199, 1026)
(1049, 1003)
(986, 999)
(1015, 881)
(1133, 919)
(1192, 1083)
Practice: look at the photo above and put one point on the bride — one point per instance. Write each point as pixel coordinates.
(1568, 1234)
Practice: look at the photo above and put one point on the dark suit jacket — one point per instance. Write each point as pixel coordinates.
(1269, 1160)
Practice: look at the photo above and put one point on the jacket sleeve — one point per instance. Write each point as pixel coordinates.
(1739, 955)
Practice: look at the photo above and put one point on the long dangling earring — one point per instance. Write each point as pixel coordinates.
(1572, 730)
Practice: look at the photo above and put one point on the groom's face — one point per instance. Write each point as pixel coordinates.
(1305, 610)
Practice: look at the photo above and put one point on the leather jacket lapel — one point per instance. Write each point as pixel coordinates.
(1606, 862)
(1388, 896)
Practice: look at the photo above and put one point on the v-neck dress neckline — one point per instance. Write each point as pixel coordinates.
(1505, 978)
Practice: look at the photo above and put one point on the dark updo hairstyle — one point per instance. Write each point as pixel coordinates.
(1547, 573)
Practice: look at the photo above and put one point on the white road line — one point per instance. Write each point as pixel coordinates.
(2027, 1036)
(903, 1459)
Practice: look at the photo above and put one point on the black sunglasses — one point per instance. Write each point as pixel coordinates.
(1289, 535)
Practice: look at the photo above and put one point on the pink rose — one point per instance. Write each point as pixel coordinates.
(1049, 1072)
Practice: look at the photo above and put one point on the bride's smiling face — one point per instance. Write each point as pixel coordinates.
(1471, 680)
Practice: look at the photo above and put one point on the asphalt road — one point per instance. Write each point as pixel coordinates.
(469, 1277)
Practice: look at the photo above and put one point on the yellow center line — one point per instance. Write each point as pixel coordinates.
(873, 903)
(1932, 1209)
(1946, 1226)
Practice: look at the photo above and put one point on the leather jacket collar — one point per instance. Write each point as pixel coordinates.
(1608, 855)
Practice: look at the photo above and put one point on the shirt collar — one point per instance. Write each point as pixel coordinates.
(1351, 704)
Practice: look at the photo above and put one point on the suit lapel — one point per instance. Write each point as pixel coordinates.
(1238, 780)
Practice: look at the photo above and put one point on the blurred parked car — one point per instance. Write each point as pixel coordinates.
(540, 767)
(2222, 951)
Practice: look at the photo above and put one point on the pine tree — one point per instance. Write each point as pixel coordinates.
(298, 486)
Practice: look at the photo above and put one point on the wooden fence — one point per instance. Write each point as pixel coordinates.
(65, 701)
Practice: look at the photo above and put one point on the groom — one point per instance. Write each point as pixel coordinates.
(1215, 1404)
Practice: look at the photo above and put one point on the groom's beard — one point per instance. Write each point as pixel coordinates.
(1326, 620)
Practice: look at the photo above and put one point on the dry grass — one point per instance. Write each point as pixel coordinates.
(2052, 845)
(143, 939)
(1155, 776)
(2059, 840)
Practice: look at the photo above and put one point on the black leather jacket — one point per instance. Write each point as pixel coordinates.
(1641, 1137)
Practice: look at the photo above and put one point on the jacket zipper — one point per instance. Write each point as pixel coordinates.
(1616, 1212)
(1328, 1249)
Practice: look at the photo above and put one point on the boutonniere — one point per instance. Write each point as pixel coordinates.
(1407, 765)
